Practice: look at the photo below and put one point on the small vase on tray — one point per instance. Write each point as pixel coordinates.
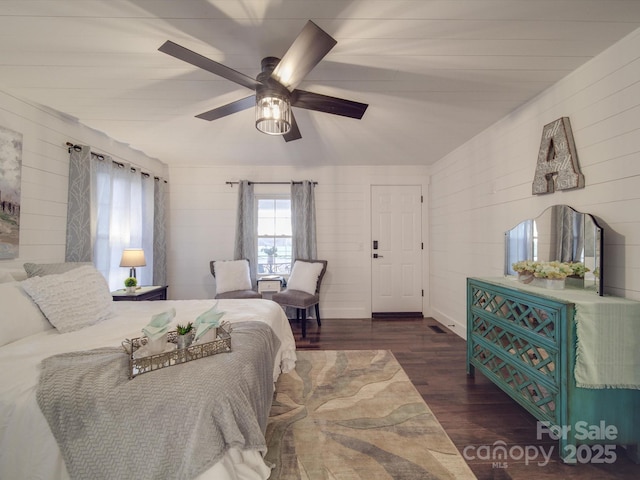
(184, 341)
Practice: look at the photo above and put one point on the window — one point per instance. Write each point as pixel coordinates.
(274, 235)
(124, 219)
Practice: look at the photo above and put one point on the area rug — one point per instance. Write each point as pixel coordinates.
(356, 415)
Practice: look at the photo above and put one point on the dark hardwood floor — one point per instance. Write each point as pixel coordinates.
(474, 412)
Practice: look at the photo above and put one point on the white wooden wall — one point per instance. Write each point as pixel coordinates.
(45, 172)
(203, 210)
(484, 187)
(473, 196)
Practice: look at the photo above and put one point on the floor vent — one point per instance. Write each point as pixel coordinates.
(436, 329)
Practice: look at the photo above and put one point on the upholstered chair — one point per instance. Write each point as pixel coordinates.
(303, 289)
(233, 279)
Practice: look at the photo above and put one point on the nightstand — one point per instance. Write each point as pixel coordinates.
(152, 292)
(269, 285)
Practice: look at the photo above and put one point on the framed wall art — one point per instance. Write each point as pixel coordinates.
(10, 179)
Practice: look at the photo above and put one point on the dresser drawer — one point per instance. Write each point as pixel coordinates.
(539, 394)
(269, 286)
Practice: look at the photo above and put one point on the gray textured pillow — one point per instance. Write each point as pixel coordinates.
(71, 300)
(42, 269)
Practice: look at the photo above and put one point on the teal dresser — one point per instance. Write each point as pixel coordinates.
(569, 357)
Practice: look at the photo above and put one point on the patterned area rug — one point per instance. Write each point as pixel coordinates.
(355, 415)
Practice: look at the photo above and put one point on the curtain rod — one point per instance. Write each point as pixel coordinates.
(269, 183)
(77, 148)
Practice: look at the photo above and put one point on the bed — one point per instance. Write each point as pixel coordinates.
(28, 448)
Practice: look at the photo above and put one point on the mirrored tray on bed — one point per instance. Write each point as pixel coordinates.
(172, 355)
(562, 234)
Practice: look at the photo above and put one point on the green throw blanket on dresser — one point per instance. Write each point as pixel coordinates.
(176, 422)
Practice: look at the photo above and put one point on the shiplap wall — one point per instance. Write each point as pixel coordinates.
(203, 218)
(484, 187)
(475, 194)
(45, 173)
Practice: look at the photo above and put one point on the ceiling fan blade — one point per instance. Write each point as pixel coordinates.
(294, 132)
(311, 45)
(229, 108)
(327, 104)
(189, 56)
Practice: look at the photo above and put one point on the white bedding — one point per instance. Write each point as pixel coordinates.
(27, 446)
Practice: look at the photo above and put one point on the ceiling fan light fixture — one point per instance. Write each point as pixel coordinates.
(273, 113)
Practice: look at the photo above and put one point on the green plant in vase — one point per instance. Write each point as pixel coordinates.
(131, 283)
(183, 331)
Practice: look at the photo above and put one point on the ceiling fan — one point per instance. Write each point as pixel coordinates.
(275, 86)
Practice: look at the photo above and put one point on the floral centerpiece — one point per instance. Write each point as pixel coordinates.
(553, 270)
(545, 273)
(525, 269)
(579, 269)
(525, 266)
(552, 274)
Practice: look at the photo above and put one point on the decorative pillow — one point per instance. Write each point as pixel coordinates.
(232, 275)
(42, 269)
(304, 276)
(20, 316)
(12, 275)
(71, 300)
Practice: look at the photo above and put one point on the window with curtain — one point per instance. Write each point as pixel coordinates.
(113, 206)
(272, 229)
(274, 240)
(124, 219)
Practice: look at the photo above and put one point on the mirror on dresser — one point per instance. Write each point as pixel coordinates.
(562, 234)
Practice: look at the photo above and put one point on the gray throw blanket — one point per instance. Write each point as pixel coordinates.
(171, 423)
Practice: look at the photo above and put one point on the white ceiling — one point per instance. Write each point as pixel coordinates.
(434, 72)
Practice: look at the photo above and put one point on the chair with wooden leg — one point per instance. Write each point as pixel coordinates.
(303, 289)
(233, 279)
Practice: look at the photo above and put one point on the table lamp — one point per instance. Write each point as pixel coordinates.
(132, 258)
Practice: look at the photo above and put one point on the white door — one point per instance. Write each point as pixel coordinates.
(396, 250)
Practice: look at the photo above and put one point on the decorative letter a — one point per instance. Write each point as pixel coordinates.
(557, 158)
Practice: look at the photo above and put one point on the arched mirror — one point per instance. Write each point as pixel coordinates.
(563, 234)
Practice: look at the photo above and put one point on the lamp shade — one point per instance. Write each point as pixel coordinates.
(133, 257)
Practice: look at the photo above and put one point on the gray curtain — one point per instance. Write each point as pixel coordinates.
(303, 220)
(159, 232)
(99, 192)
(569, 240)
(246, 227)
(78, 245)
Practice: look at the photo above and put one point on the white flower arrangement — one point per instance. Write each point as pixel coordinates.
(578, 268)
(553, 270)
(525, 266)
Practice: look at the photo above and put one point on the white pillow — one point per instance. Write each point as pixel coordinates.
(232, 275)
(12, 275)
(304, 276)
(5, 276)
(19, 316)
(71, 300)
